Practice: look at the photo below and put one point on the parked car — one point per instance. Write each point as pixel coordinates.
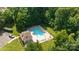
(11, 36)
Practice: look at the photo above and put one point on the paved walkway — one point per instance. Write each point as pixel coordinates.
(13, 39)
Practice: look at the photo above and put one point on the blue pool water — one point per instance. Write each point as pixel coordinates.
(37, 31)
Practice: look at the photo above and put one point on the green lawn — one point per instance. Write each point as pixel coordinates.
(15, 32)
(48, 44)
(15, 45)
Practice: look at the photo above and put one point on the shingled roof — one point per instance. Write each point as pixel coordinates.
(26, 36)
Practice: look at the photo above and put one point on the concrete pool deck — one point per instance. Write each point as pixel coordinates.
(44, 37)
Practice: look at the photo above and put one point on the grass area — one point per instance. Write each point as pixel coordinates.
(48, 44)
(15, 32)
(15, 45)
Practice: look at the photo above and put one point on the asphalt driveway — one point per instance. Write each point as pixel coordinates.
(4, 38)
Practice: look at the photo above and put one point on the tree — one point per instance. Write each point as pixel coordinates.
(61, 39)
(61, 17)
(2, 22)
(8, 16)
(31, 46)
(71, 38)
(73, 22)
(65, 42)
(28, 17)
(50, 15)
(22, 21)
(37, 15)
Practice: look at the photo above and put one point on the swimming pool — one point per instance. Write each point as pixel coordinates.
(38, 32)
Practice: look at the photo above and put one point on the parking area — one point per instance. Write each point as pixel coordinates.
(4, 38)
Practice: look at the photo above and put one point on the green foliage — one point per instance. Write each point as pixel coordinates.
(50, 16)
(61, 38)
(63, 41)
(71, 38)
(22, 22)
(2, 22)
(37, 15)
(31, 46)
(8, 18)
(61, 17)
(27, 17)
